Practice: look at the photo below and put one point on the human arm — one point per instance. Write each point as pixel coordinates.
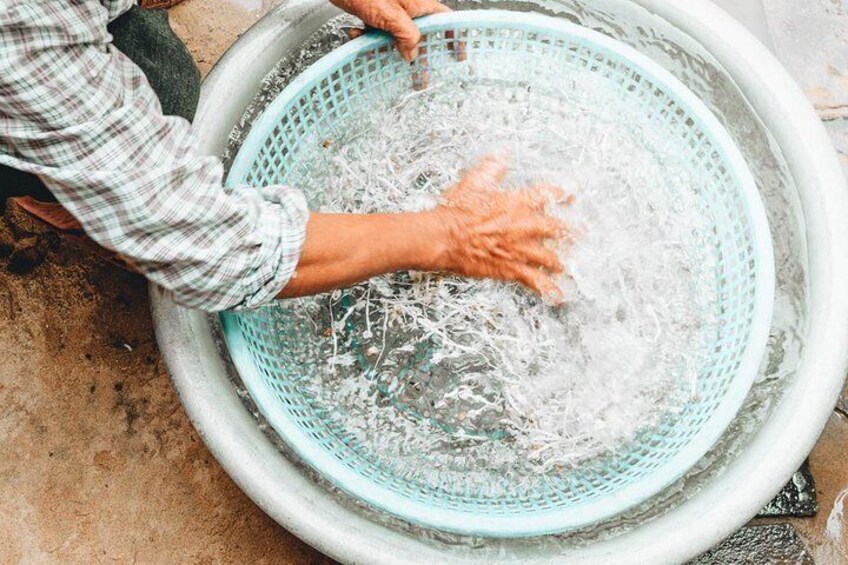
(343, 249)
(478, 230)
(80, 115)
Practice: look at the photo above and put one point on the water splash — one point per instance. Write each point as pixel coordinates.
(698, 69)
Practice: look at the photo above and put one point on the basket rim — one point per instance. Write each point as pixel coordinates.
(560, 519)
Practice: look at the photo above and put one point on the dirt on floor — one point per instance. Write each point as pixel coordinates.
(98, 462)
(209, 27)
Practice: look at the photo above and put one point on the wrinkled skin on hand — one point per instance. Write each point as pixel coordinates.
(394, 17)
(502, 235)
(477, 230)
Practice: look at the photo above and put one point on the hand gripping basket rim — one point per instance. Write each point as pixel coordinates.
(562, 519)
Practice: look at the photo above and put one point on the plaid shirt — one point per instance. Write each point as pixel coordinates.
(79, 114)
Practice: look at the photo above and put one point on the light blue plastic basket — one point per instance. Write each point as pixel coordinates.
(343, 83)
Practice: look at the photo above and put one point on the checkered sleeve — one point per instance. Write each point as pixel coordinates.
(80, 115)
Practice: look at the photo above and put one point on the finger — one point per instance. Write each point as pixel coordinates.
(405, 32)
(420, 77)
(355, 32)
(540, 256)
(540, 283)
(551, 292)
(420, 72)
(540, 196)
(418, 8)
(541, 227)
(458, 47)
(556, 193)
(532, 256)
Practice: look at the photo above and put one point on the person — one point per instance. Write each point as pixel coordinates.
(110, 139)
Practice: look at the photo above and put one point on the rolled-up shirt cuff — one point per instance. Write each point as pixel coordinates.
(281, 215)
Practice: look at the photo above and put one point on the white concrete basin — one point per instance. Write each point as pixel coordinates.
(742, 474)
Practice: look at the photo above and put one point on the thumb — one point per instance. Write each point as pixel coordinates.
(355, 32)
(405, 32)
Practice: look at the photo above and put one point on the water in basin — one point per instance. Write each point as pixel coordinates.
(700, 73)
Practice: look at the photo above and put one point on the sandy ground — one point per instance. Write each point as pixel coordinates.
(209, 27)
(98, 463)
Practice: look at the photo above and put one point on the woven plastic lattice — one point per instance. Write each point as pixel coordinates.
(348, 81)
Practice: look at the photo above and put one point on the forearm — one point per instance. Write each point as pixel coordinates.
(343, 249)
(84, 119)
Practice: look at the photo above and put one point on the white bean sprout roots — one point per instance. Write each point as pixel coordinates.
(475, 376)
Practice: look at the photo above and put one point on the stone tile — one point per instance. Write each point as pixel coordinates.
(759, 545)
(209, 27)
(810, 38)
(798, 497)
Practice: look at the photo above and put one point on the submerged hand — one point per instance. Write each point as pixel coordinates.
(395, 17)
(477, 231)
(501, 235)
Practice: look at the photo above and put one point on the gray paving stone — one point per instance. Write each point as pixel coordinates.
(759, 545)
(797, 499)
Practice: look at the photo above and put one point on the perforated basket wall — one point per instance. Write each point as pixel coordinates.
(346, 82)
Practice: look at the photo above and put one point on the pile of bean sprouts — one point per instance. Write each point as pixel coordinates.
(474, 376)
